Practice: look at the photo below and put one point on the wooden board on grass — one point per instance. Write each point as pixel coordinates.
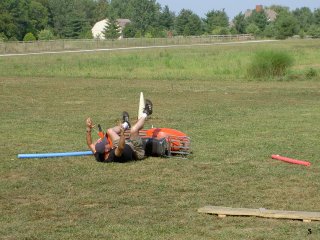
(262, 212)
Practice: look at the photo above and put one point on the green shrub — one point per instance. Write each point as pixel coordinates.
(45, 34)
(29, 37)
(3, 37)
(86, 35)
(311, 73)
(270, 64)
(253, 29)
(314, 31)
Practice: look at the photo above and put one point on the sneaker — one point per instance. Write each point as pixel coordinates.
(148, 107)
(125, 118)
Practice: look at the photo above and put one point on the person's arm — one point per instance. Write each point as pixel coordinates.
(122, 141)
(88, 135)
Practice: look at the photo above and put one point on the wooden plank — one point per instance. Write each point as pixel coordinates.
(262, 212)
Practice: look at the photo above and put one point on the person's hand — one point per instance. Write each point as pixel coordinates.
(121, 129)
(89, 124)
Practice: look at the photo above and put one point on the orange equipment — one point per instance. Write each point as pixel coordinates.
(178, 143)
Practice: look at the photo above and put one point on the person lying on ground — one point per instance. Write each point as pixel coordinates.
(118, 148)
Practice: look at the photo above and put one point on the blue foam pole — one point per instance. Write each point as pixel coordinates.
(51, 155)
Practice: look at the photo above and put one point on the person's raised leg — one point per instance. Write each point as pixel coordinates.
(134, 132)
(113, 133)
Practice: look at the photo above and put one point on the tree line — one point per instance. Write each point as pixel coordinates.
(53, 19)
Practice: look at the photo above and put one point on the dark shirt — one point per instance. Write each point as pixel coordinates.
(127, 155)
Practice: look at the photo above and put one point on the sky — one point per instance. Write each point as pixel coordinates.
(232, 7)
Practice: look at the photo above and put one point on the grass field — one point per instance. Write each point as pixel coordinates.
(235, 124)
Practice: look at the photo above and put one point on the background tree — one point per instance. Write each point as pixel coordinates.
(112, 29)
(259, 19)
(129, 31)
(3, 37)
(316, 16)
(16, 19)
(100, 11)
(270, 30)
(145, 15)
(216, 20)
(120, 8)
(29, 37)
(286, 26)
(240, 23)
(8, 27)
(21, 18)
(252, 28)
(167, 18)
(75, 26)
(188, 23)
(75, 18)
(45, 34)
(279, 9)
(69, 18)
(304, 17)
(38, 16)
(314, 31)
(61, 11)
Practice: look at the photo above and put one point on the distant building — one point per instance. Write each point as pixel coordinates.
(271, 15)
(98, 28)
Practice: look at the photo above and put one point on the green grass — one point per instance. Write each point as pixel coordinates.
(235, 125)
(220, 62)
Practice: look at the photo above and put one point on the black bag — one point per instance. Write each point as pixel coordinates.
(155, 147)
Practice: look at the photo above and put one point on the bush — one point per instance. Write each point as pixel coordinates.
(129, 31)
(253, 29)
(314, 31)
(29, 37)
(3, 37)
(45, 34)
(270, 64)
(311, 73)
(220, 31)
(270, 31)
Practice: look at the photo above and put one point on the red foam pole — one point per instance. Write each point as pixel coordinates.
(291, 160)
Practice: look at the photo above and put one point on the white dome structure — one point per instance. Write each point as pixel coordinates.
(98, 28)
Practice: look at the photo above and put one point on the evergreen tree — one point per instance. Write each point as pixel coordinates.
(253, 29)
(270, 30)
(304, 17)
(316, 16)
(129, 31)
(61, 22)
(121, 8)
(100, 11)
(74, 19)
(167, 18)
(188, 23)
(240, 23)
(112, 29)
(69, 18)
(314, 31)
(216, 20)
(145, 14)
(286, 26)
(259, 19)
